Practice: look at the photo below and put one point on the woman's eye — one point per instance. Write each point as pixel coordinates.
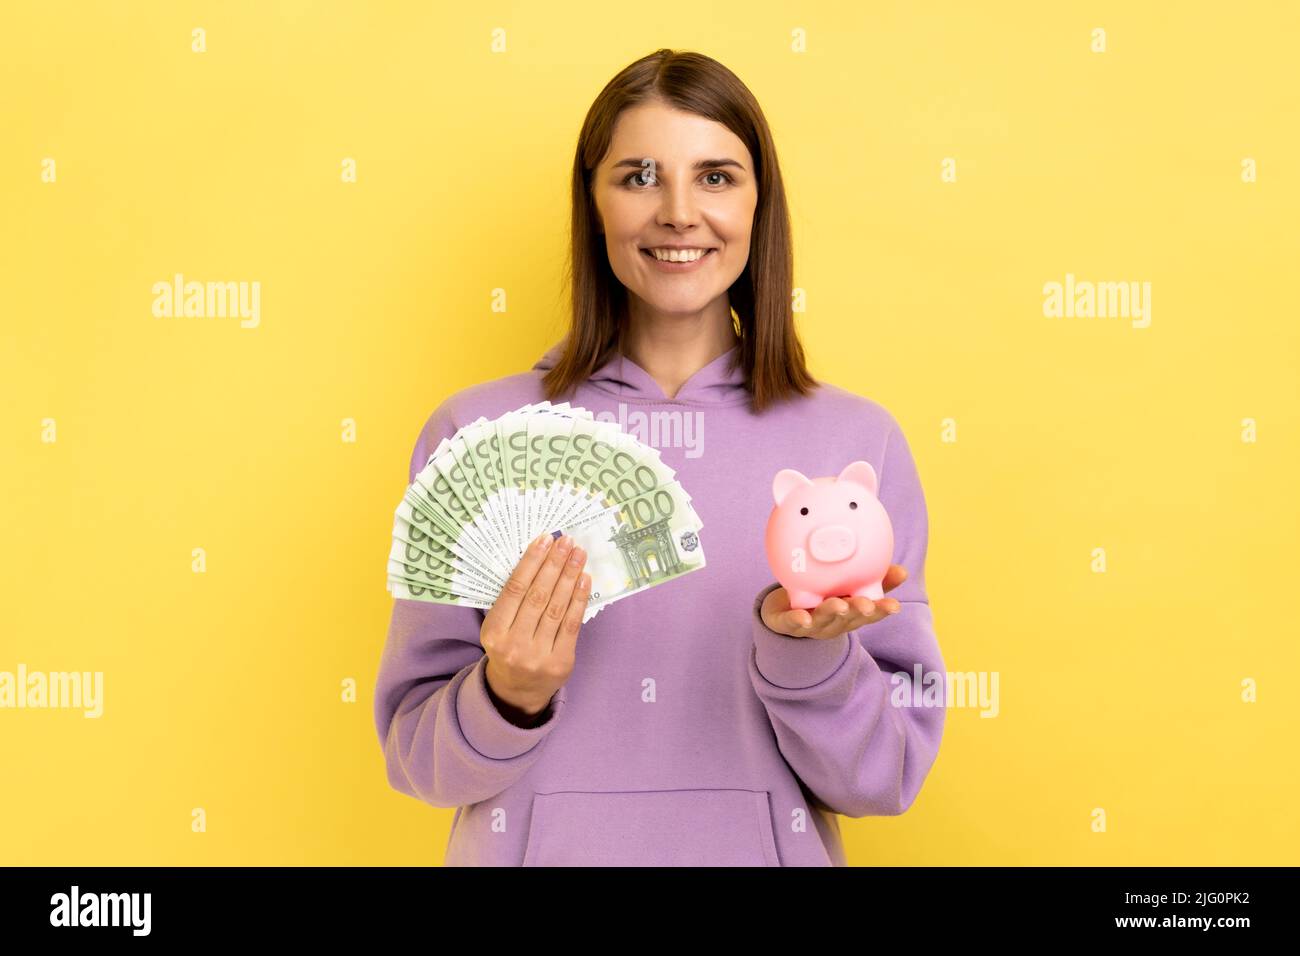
(853, 504)
(641, 183)
(803, 511)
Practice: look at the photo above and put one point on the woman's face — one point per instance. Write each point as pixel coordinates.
(673, 178)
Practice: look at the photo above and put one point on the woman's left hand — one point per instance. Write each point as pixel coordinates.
(835, 615)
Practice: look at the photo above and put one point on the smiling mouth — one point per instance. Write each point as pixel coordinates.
(708, 252)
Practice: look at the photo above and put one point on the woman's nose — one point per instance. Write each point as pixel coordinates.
(678, 206)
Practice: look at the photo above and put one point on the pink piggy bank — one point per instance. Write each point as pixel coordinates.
(829, 537)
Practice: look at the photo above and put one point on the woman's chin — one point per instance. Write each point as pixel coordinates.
(677, 304)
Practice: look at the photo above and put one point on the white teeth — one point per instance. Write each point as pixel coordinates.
(678, 255)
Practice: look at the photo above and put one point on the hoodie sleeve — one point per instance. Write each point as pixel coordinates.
(844, 722)
(444, 740)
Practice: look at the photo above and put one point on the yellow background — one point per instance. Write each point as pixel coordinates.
(1118, 690)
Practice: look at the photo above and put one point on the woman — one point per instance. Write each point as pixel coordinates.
(702, 721)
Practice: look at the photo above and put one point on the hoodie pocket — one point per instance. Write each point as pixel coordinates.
(651, 828)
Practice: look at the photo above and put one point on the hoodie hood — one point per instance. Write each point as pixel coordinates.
(721, 382)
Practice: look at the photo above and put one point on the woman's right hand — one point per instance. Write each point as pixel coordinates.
(530, 633)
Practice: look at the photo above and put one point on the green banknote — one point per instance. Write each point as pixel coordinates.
(488, 491)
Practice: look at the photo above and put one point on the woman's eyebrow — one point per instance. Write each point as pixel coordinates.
(699, 164)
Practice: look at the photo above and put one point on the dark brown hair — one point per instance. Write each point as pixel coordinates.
(770, 352)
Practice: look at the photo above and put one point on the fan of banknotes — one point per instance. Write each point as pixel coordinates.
(492, 488)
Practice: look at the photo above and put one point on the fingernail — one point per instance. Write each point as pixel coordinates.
(545, 541)
(565, 542)
(576, 556)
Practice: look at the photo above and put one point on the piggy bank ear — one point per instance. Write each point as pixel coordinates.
(786, 481)
(861, 473)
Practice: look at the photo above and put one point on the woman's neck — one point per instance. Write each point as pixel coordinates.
(672, 350)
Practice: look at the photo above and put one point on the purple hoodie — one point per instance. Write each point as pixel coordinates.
(689, 733)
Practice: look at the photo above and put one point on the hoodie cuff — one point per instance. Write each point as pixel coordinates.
(486, 730)
(795, 662)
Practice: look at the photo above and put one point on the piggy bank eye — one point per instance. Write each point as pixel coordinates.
(803, 511)
(853, 504)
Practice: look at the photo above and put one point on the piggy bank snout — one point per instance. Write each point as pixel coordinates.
(833, 542)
